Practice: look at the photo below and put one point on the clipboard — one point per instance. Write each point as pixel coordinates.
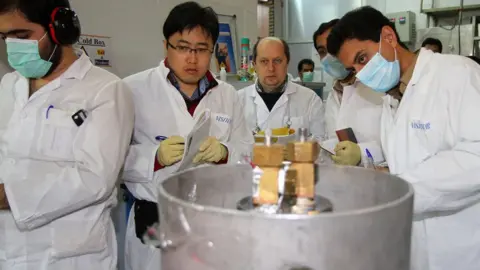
(346, 135)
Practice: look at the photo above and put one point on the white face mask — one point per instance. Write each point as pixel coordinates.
(380, 74)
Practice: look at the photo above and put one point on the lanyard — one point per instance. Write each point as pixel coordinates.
(288, 123)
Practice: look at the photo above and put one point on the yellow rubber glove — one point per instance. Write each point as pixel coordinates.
(211, 150)
(347, 153)
(170, 151)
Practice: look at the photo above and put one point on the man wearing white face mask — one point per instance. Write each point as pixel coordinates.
(65, 128)
(349, 105)
(430, 134)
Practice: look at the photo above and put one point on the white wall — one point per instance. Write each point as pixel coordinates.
(136, 26)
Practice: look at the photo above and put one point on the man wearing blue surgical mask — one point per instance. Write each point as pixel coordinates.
(430, 134)
(349, 105)
(65, 129)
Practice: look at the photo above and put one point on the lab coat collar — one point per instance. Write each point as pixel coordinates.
(424, 57)
(290, 88)
(391, 101)
(79, 69)
(165, 70)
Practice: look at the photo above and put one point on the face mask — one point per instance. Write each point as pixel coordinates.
(379, 74)
(307, 76)
(24, 57)
(333, 67)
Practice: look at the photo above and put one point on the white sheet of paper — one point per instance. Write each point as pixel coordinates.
(194, 140)
(329, 145)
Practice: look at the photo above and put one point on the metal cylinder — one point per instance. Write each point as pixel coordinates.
(201, 229)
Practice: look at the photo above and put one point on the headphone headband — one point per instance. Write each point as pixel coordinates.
(64, 27)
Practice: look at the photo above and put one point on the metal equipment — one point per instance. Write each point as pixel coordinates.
(200, 227)
(405, 25)
(456, 26)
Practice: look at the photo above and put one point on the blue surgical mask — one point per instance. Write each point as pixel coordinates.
(24, 57)
(379, 74)
(307, 76)
(333, 67)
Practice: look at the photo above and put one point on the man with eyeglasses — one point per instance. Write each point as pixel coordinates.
(276, 103)
(168, 100)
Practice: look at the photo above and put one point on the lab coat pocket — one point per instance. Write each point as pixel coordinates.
(296, 122)
(220, 126)
(77, 238)
(57, 132)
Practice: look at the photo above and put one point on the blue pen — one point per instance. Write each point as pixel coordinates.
(48, 110)
(370, 158)
(160, 138)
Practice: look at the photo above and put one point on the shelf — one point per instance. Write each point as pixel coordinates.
(450, 11)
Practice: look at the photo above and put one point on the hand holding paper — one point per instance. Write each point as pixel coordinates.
(170, 151)
(347, 153)
(211, 151)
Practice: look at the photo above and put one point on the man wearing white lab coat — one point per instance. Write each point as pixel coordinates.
(169, 99)
(276, 102)
(350, 104)
(430, 134)
(65, 128)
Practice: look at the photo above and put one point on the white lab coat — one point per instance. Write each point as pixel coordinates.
(60, 178)
(433, 141)
(4, 69)
(359, 109)
(299, 104)
(160, 110)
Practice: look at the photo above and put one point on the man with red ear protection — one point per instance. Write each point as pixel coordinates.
(65, 127)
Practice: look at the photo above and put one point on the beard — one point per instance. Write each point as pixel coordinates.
(52, 53)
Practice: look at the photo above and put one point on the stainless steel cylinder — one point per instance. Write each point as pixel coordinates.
(200, 228)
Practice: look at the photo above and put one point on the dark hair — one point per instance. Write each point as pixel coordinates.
(286, 49)
(433, 41)
(363, 23)
(305, 62)
(322, 29)
(189, 15)
(474, 58)
(36, 11)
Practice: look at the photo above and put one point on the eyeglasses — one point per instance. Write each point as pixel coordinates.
(185, 50)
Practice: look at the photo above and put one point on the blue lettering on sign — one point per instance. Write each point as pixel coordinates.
(420, 125)
(223, 119)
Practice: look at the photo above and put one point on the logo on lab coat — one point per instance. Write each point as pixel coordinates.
(420, 125)
(223, 119)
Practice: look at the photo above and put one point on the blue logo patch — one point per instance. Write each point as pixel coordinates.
(222, 119)
(420, 125)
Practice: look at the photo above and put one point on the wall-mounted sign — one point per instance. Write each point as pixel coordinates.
(97, 48)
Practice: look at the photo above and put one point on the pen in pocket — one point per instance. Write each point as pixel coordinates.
(370, 160)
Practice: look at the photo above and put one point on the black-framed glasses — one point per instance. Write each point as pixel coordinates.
(185, 50)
